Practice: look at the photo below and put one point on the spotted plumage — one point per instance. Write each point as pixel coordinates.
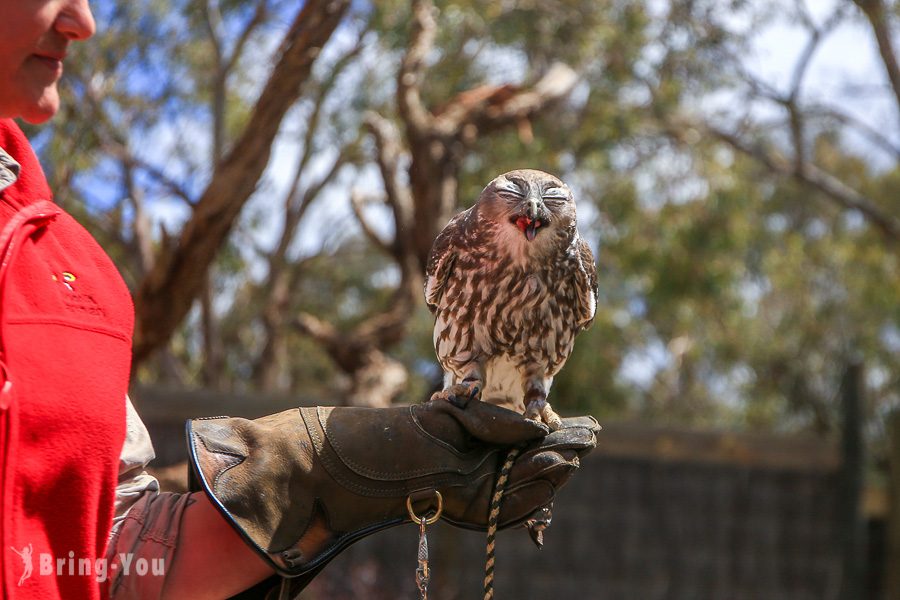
(511, 283)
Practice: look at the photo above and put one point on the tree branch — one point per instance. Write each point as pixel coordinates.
(878, 19)
(826, 183)
(324, 88)
(389, 151)
(412, 68)
(167, 182)
(212, 19)
(358, 203)
(377, 331)
(258, 16)
(296, 203)
(323, 333)
(169, 290)
(389, 327)
(792, 101)
(501, 106)
(874, 135)
(141, 232)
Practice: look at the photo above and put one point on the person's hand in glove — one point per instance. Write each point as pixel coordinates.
(301, 485)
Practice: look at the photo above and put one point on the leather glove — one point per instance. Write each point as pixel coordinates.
(301, 485)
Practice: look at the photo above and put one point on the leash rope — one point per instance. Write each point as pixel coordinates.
(493, 517)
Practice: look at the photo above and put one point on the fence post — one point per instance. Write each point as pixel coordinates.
(851, 527)
(892, 565)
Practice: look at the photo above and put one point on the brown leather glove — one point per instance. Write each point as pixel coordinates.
(301, 485)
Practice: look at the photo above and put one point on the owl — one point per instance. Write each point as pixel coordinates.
(511, 283)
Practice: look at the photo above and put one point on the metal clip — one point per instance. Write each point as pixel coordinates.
(423, 573)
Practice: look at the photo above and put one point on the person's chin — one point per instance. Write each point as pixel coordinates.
(43, 107)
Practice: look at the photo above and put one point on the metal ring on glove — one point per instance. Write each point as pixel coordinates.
(428, 520)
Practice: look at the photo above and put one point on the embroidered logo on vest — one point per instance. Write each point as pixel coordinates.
(75, 300)
(67, 279)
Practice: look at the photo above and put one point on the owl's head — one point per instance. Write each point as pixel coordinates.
(536, 204)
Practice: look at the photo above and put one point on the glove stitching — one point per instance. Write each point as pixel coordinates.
(374, 474)
(240, 442)
(419, 429)
(215, 483)
(396, 489)
(365, 471)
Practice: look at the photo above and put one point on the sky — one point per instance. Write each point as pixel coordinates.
(845, 71)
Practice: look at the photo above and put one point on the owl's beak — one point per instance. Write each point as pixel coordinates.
(529, 227)
(535, 209)
(536, 216)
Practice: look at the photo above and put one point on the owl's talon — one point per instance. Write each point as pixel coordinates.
(549, 416)
(537, 523)
(457, 401)
(540, 410)
(534, 409)
(460, 394)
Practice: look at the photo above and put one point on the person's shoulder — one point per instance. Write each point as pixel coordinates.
(22, 179)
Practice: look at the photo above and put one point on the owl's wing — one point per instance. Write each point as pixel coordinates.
(587, 285)
(440, 261)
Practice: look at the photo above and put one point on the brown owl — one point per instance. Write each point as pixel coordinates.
(511, 283)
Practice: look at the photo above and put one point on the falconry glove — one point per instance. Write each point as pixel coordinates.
(301, 485)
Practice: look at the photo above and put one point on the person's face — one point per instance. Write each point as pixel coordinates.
(34, 38)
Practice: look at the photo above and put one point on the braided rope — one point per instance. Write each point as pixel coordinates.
(493, 517)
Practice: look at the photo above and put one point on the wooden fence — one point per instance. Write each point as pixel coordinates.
(652, 514)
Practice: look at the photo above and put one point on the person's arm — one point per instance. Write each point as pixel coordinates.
(198, 554)
(211, 560)
(303, 484)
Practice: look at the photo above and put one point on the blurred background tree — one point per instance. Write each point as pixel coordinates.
(744, 224)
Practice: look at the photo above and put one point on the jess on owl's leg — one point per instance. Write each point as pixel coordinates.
(536, 405)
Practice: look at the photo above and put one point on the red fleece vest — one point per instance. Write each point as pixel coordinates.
(66, 321)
